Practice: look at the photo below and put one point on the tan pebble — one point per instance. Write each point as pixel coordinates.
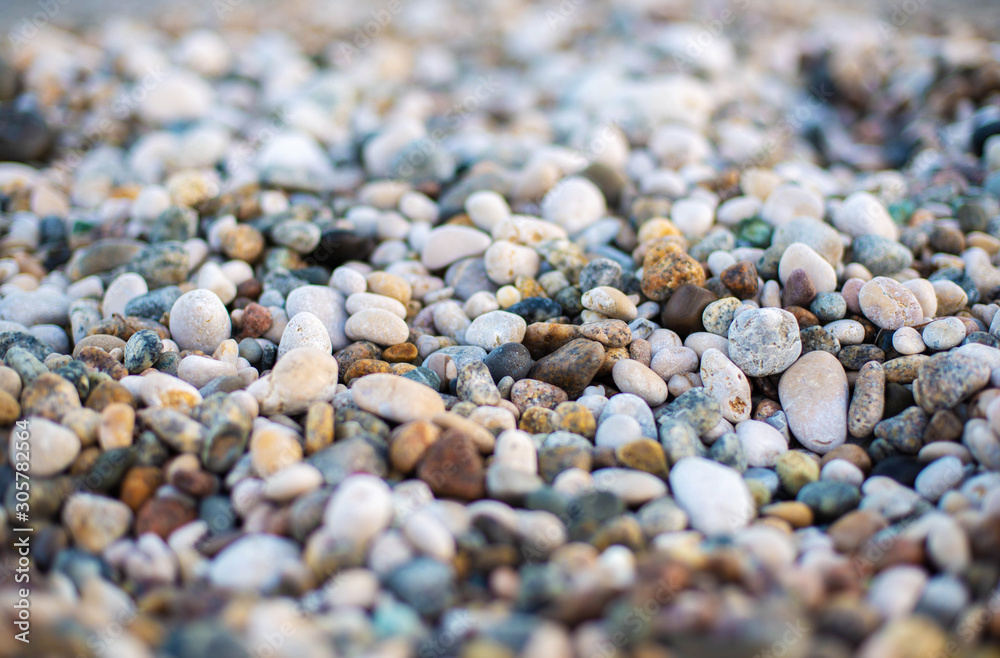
(117, 423)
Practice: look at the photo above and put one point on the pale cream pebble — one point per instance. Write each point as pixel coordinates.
(857, 271)
(926, 295)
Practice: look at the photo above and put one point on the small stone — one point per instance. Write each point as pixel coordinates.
(829, 500)
(496, 328)
(727, 384)
(863, 214)
(741, 279)
(396, 398)
(448, 244)
(142, 350)
(795, 470)
(475, 384)
(642, 455)
(378, 326)
(610, 302)
(715, 497)
(814, 395)
(360, 508)
(117, 424)
(939, 477)
(829, 306)
(944, 334)
(610, 333)
(199, 321)
(49, 396)
(574, 203)
(663, 277)
(683, 311)
(905, 431)
(254, 562)
(718, 315)
(670, 361)
(409, 443)
(52, 449)
(95, 522)
(571, 367)
(907, 340)
(453, 468)
(272, 448)
(799, 256)
(633, 377)
(762, 444)
(882, 256)
(889, 304)
(425, 585)
(868, 403)
(301, 377)
(635, 487)
(304, 330)
(946, 378)
(764, 341)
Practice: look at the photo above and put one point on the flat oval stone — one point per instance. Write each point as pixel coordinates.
(799, 256)
(302, 376)
(496, 328)
(889, 304)
(448, 244)
(378, 326)
(715, 497)
(611, 302)
(814, 395)
(199, 321)
(762, 444)
(396, 398)
(633, 377)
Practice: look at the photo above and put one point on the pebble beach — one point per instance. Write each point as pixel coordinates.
(453, 329)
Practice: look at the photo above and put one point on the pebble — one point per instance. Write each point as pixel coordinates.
(326, 304)
(868, 402)
(610, 302)
(814, 396)
(254, 562)
(633, 377)
(799, 256)
(304, 330)
(199, 321)
(764, 341)
(302, 376)
(907, 340)
(571, 367)
(574, 204)
(632, 486)
(494, 329)
(944, 334)
(715, 497)
(378, 326)
(828, 499)
(360, 508)
(947, 378)
(396, 398)
(727, 384)
(889, 304)
(939, 477)
(762, 444)
(95, 522)
(863, 214)
(448, 244)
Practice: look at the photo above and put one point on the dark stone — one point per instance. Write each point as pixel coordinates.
(905, 431)
(682, 312)
(828, 499)
(741, 279)
(901, 469)
(600, 272)
(153, 305)
(24, 135)
(337, 246)
(852, 357)
(509, 360)
(37, 348)
(468, 276)
(571, 367)
(163, 264)
(983, 338)
(536, 309)
(798, 290)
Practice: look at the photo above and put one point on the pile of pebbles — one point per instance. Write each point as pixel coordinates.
(494, 330)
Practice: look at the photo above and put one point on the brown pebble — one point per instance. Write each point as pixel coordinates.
(796, 514)
(543, 338)
(640, 350)
(529, 287)
(803, 316)
(256, 321)
(943, 426)
(243, 242)
(139, 484)
(798, 289)
(853, 529)
(109, 392)
(363, 367)
(401, 353)
(530, 393)
(741, 279)
(10, 410)
(354, 352)
(453, 468)
(162, 516)
(195, 482)
(611, 356)
(402, 368)
(49, 396)
(683, 311)
(610, 333)
(319, 427)
(576, 418)
(572, 366)
(249, 290)
(538, 420)
(103, 341)
(765, 409)
(409, 442)
(663, 274)
(852, 453)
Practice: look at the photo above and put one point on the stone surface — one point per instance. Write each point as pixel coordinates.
(814, 395)
(727, 384)
(396, 398)
(764, 341)
(889, 304)
(715, 497)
